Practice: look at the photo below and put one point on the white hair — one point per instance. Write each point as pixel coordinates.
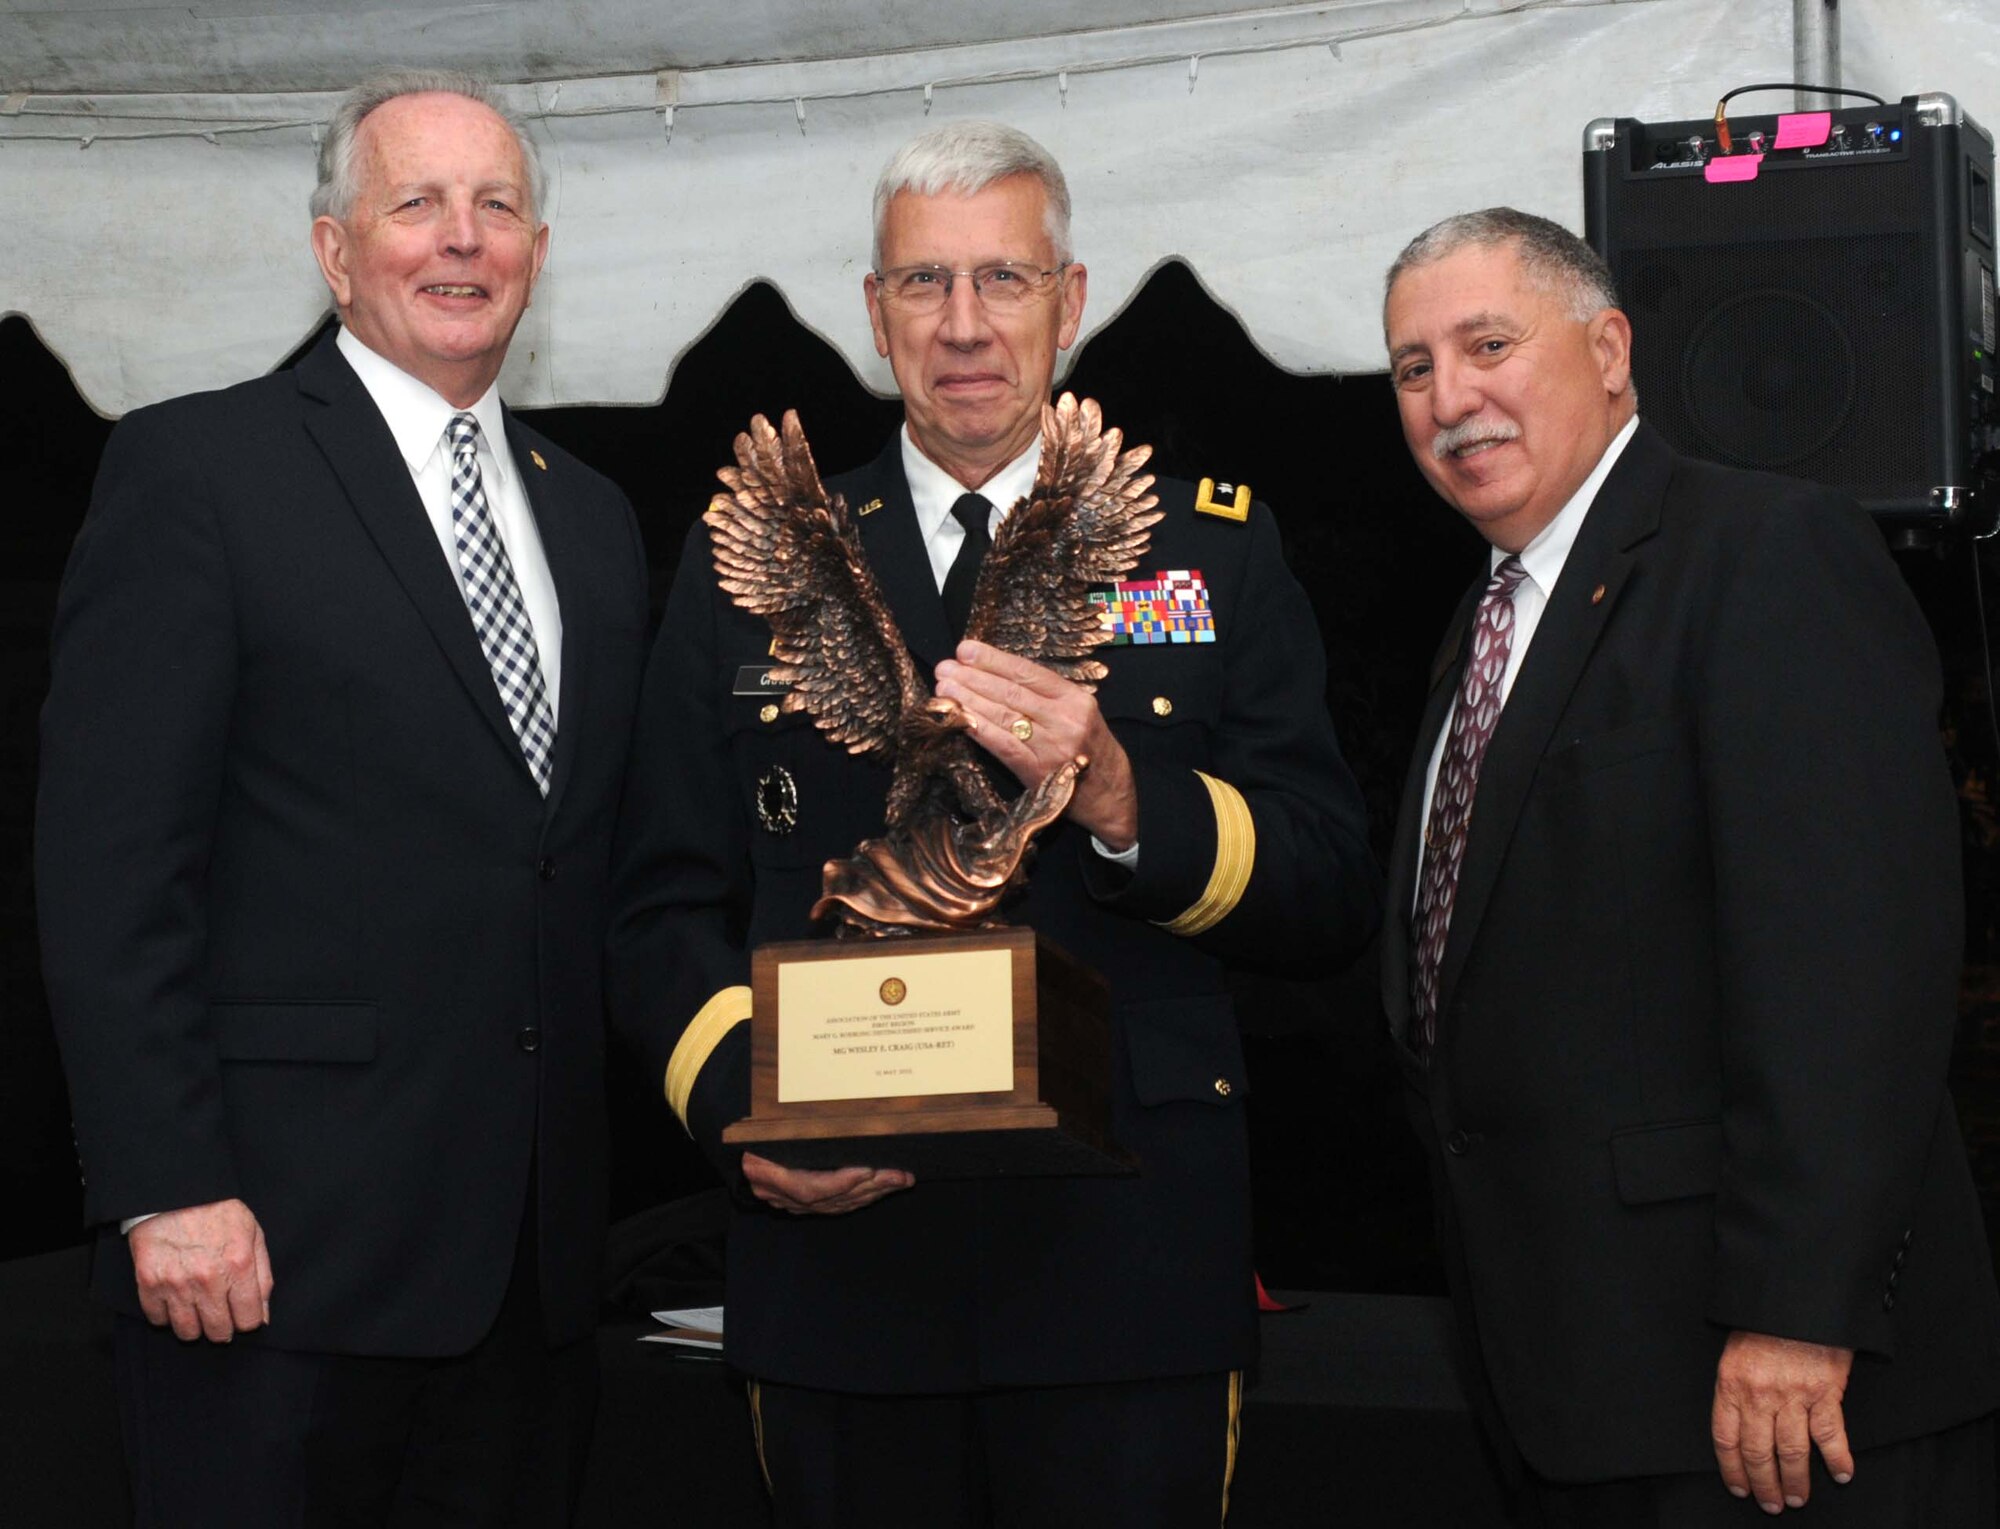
(1552, 257)
(967, 157)
(339, 182)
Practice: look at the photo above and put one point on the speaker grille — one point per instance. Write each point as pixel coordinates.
(1800, 355)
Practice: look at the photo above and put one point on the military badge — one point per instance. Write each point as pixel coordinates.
(777, 801)
(1171, 606)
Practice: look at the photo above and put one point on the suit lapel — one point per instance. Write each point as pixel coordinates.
(1624, 514)
(555, 522)
(362, 455)
(901, 562)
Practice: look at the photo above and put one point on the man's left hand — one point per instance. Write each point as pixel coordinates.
(999, 689)
(1775, 1400)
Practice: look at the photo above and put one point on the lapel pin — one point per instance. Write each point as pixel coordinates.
(1597, 595)
(536, 458)
(870, 507)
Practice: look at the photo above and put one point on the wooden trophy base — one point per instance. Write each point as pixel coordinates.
(952, 1056)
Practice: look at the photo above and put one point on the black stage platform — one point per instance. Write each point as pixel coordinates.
(1354, 1420)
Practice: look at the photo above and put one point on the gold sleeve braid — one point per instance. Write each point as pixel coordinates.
(1235, 857)
(721, 1014)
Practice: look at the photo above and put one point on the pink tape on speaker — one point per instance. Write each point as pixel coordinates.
(1725, 168)
(1804, 129)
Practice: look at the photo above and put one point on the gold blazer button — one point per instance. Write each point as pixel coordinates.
(1222, 1087)
(768, 712)
(1162, 707)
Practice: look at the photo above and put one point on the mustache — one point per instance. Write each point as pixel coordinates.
(1471, 432)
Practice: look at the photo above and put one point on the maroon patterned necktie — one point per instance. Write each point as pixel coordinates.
(1472, 720)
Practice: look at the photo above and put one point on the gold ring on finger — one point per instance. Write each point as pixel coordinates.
(1022, 728)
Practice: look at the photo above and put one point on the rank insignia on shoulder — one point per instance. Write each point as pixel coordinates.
(1171, 606)
(1226, 501)
(536, 458)
(869, 508)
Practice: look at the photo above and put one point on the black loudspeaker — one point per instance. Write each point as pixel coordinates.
(1826, 311)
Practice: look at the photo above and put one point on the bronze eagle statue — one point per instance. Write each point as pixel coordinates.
(790, 552)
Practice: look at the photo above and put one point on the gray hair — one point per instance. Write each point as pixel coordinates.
(967, 157)
(339, 184)
(1553, 258)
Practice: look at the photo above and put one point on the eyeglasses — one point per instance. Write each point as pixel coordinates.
(926, 288)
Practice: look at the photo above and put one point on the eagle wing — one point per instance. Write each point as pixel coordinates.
(790, 552)
(1086, 522)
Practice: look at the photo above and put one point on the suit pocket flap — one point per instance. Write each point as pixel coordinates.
(332, 1031)
(1667, 1162)
(1600, 751)
(1184, 1049)
(1162, 685)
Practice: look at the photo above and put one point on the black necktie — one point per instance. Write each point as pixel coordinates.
(972, 511)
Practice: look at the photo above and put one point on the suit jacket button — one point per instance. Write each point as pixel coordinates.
(1888, 1300)
(1458, 1144)
(1222, 1087)
(546, 869)
(529, 1039)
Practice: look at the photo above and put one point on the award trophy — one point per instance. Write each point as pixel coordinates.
(929, 1034)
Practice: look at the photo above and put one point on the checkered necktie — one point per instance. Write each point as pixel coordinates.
(1472, 720)
(494, 598)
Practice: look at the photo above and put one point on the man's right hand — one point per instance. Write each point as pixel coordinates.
(815, 1192)
(203, 1271)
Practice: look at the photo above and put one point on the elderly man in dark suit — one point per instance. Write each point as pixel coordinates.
(344, 668)
(1046, 1352)
(1673, 947)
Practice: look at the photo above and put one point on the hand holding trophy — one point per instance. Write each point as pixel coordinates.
(976, 1048)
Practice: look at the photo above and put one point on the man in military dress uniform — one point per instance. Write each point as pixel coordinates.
(1049, 1351)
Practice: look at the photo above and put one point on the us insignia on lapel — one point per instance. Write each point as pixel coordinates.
(870, 507)
(536, 458)
(1171, 606)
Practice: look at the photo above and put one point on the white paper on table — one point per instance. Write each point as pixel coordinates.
(682, 1338)
(705, 1319)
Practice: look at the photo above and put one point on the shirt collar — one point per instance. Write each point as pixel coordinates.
(417, 415)
(933, 491)
(1543, 558)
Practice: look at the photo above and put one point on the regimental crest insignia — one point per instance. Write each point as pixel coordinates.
(1172, 606)
(777, 801)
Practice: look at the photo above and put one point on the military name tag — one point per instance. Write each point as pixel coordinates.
(755, 679)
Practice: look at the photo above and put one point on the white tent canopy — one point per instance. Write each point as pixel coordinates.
(155, 161)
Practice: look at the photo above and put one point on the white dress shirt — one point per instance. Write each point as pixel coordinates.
(417, 417)
(933, 492)
(1543, 559)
